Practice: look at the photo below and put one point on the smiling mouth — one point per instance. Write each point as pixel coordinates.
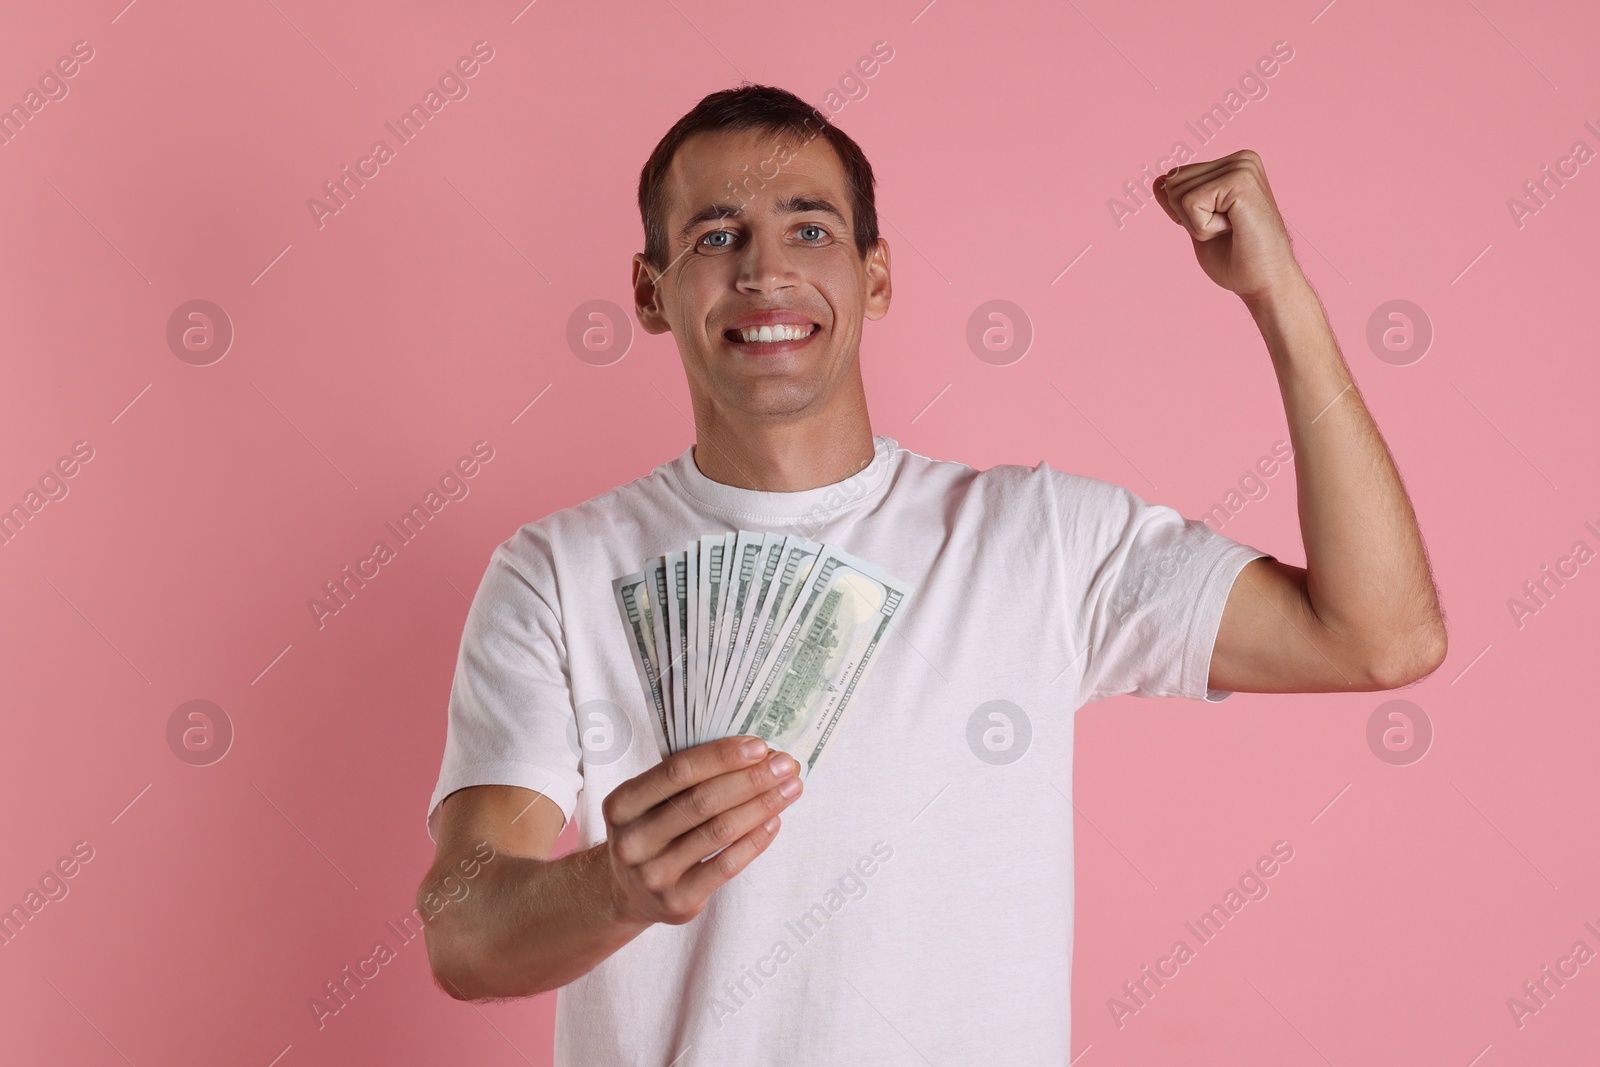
(771, 335)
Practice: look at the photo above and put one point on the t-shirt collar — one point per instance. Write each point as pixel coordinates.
(810, 506)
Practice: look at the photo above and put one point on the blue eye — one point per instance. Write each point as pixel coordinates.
(707, 242)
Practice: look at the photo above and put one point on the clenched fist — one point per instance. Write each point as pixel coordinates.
(1239, 237)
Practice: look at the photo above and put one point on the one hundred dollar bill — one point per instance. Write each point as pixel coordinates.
(633, 596)
(821, 656)
(795, 556)
(755, 633)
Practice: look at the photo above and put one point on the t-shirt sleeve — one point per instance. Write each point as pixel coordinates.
(511, 720)
(1153, 586)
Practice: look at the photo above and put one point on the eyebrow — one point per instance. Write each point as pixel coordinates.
(788, 205)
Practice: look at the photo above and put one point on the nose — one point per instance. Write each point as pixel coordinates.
(765, 265)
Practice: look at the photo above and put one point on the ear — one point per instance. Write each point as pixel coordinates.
(647, 297)
(879, 287)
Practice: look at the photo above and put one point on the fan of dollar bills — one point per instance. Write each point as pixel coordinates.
(755, 633)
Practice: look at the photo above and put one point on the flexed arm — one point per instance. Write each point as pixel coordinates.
(1363, 614)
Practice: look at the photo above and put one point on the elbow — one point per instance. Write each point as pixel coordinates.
(1406, 661)
(460, 976)
(463, 967)
(455, 954)
(450, 959)
(451, 983)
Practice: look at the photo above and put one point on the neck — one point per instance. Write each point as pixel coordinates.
(784, 456)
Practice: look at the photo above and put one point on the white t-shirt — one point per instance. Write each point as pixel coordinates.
(918, 899)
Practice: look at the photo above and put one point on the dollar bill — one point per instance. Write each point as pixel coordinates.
(691, 638)
(715, 555)
(677, 642)
(769, 559)
(794, 558)
(822, 654)
(634, 602)
(743, 575)
(746, 632)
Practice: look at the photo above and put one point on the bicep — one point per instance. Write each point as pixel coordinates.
(1271, 641)
(514, 820)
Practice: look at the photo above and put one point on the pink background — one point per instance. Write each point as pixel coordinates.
(371, 353)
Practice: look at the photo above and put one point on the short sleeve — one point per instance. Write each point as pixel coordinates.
(1155, 587)
(510, 709)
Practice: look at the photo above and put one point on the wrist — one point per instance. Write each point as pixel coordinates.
(1290, 296)
(615, 909)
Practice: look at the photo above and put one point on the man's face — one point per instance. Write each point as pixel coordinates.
(743, 241)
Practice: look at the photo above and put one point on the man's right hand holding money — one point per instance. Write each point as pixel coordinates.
(675, 834)
(663, 827)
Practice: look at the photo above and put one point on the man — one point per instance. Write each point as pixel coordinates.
(918, 902)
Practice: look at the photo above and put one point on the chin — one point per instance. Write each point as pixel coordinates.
(771, 399)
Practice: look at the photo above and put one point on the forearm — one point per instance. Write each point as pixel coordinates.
(528, 926)
(1367, 577)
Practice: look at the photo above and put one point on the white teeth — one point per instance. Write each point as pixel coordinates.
(774, 333)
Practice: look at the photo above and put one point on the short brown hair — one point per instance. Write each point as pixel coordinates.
(767, 109)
